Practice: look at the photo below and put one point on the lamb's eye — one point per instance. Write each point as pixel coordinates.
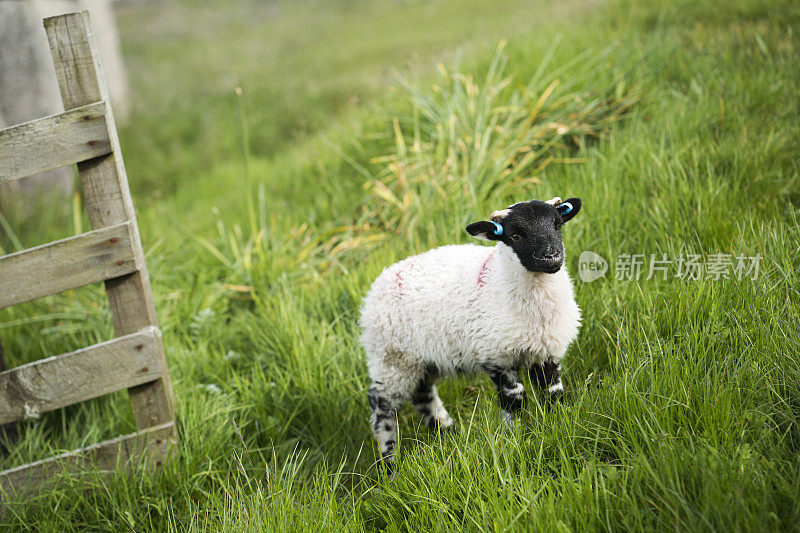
(515, 237)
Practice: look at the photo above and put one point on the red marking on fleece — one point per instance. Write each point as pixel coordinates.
(398, 276)
(484, 267)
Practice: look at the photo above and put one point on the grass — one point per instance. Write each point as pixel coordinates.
(675, 122)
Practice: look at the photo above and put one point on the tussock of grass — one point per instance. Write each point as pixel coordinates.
(472, 143)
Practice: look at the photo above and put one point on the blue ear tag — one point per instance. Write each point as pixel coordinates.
(498, 229)
(566, 205)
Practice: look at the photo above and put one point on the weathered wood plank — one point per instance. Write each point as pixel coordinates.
(53, 142)
(48, 384)
(155, 443)
(8, 432)
(108, 200)
(68, 264)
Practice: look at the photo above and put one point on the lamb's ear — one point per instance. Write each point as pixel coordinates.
(498, 216)
(569, 208)
(488, 231)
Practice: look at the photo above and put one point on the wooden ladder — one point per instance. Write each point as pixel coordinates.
(85, 134)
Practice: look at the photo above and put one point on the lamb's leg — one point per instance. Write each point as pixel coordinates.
(548, 377)
(510, 391)
(384, 422)
(426, 400)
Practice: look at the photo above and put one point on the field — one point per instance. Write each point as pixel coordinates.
(281, 154)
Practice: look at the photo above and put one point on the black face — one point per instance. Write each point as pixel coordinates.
(533, 230)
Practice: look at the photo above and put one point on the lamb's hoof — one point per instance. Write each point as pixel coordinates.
(555, 398)
(439, 426)
(443, 426)
(387, 468)
(511, 421)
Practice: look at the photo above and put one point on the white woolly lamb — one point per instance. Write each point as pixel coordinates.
(469, 308)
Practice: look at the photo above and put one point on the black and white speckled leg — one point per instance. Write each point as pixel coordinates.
(547, 376)
(426, 400)
(384, 423)
(510, 391)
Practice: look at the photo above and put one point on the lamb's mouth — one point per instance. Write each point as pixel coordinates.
(547, 266)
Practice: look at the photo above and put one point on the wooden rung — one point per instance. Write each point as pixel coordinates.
(99, 255)
(55, 141)
(41, 386)
(156, 442)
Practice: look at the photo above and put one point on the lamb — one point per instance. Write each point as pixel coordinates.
(467, 309)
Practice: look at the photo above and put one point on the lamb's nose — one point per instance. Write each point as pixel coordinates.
(550, 256)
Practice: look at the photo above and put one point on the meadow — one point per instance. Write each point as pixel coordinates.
(281, 154)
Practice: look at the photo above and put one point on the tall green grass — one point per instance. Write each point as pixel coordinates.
(470, 143)
(676, 123)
